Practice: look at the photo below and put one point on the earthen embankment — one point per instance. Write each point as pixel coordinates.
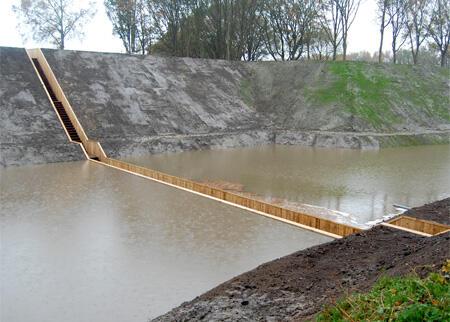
(137, 105)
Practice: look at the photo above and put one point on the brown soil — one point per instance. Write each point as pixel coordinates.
(297, 286)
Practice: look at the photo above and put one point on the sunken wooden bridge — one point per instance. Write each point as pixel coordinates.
(95, 153)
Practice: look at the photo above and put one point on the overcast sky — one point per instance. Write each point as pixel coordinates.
(363, 35)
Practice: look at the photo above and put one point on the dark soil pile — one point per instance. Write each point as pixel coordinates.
(296, 286)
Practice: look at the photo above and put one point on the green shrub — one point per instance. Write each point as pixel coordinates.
(409, 298)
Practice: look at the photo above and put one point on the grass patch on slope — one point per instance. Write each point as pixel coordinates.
(361, 93)
(423, 91)
(408, 298)
(413, 140)
(379, 93)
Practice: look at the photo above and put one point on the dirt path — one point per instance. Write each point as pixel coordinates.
(298, 285)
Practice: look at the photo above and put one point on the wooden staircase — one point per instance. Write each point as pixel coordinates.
(57, 104)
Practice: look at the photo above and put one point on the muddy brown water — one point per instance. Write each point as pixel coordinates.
(83, 242)
(363, 184)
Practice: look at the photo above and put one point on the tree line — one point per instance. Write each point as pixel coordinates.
(249, 29)
(234, 29)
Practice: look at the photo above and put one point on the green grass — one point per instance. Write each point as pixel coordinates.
(413, 140)
(408, 298)
(422, 92)
(374, 92)
(361, 93)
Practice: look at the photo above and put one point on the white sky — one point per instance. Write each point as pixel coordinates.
(364, 33)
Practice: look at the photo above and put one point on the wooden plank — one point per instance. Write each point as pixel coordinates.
(406, 229)
(419, 225)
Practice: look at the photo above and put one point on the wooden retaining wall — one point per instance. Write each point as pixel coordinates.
(425, 227)
(318, 224)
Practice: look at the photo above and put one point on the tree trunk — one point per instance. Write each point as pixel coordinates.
(334, 50)
(61, 45)
(443, 54)
(413, 52)
(344, 47)
(228, 32)
(380, 51)
(394, 52)
(61, 25)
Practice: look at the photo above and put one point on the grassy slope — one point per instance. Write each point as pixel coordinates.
(374, 92)
(408, 298)
(351, 96)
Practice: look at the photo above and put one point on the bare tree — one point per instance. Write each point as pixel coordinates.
(145, 25)
(348, 9)
(397, 16)
(169, 15)
(53, 20)
(132, 22)
(287, 24)
(416, 25)
(220, 28)
(382, 11)
(331, 21)
(439, 27)
(321, 48)
(249, 31)
(122, 14)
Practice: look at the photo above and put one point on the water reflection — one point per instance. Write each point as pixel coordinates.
(364, 184)
(82, 242)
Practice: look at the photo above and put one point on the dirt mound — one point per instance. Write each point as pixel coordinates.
(298, 285)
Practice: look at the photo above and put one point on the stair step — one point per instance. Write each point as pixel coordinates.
(57, 104)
